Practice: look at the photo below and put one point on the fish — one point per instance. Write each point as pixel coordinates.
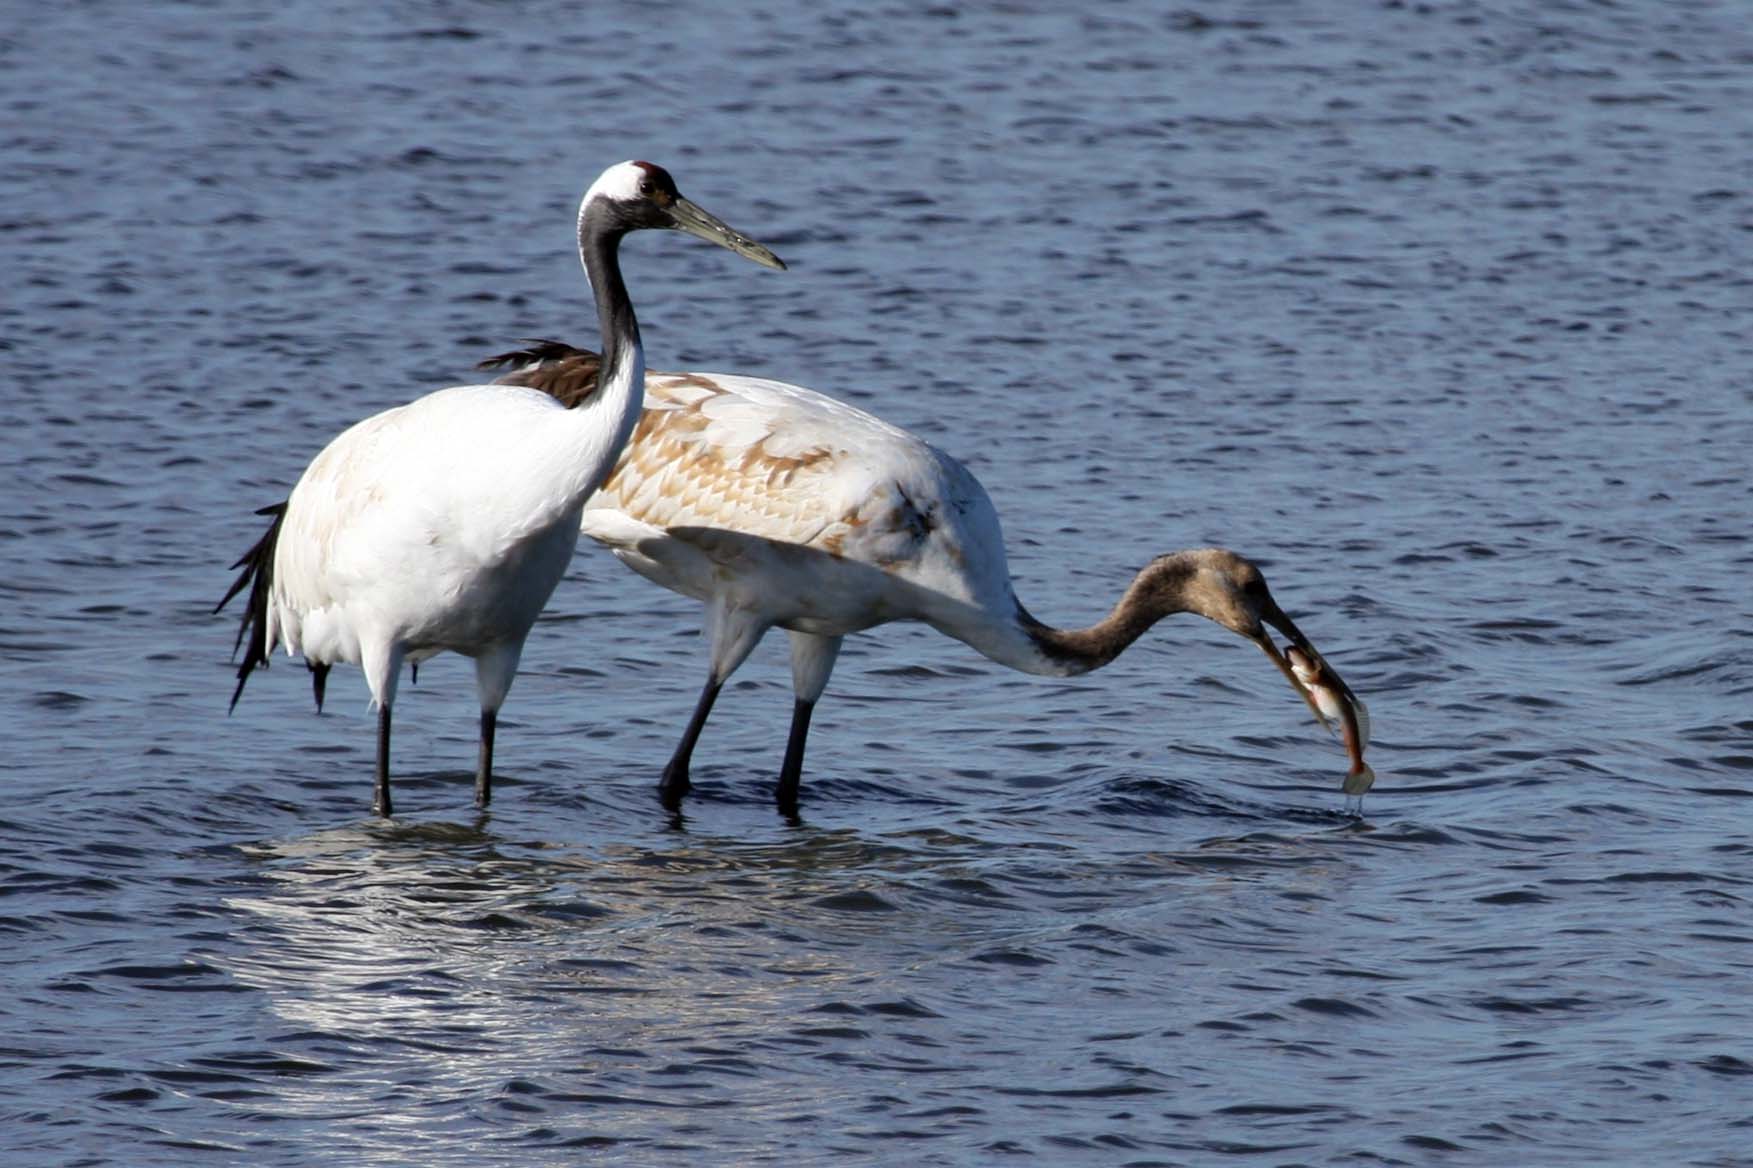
(1332, 702)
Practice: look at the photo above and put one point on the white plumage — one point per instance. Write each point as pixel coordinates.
(446, 523)
(410, 533)
(781, 506)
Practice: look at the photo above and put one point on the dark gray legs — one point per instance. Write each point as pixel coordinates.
(674, 783)
(792, 769)
(381, 802)
(484, 771)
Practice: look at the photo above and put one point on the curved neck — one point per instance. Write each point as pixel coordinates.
(1160, 589)
(623, 356)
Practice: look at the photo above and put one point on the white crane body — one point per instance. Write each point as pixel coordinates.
(446, 523)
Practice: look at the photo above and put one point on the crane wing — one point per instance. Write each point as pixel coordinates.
(763, 459)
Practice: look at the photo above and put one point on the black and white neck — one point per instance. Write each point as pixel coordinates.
(638, 196)
(607, 213)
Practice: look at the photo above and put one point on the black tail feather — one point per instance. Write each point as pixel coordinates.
(258, 577)
(539, 350)
(566, 374)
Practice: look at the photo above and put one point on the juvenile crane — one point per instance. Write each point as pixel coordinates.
(779, 506)
(446, 523)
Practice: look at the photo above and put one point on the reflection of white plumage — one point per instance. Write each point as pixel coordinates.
(778, 506)
(447, 522)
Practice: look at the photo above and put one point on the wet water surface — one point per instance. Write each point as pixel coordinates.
(1438, 311)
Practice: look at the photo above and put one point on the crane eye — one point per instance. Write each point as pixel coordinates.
(646, 187)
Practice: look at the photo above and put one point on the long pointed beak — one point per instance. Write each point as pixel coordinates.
(690, 218)
(1296, 683)
(1275, 617)
(1323, 687)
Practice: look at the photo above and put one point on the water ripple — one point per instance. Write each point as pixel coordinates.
(1435, 313)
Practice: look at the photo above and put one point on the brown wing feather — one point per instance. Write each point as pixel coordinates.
(763, 459)
(564, 373)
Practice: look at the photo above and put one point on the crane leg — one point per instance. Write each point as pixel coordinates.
(381, 802)
(495, 670)
(484, 771)
(674, 783)
(792, 769)
(812, 662)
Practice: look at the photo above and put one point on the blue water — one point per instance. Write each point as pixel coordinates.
(1439, 311)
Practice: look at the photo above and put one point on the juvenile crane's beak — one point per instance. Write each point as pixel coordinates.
(1324, 690)
(1274, 616)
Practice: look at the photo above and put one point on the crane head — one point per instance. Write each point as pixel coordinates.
(1231, 590)
(639, 196)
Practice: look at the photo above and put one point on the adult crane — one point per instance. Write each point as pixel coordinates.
(447, 522)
